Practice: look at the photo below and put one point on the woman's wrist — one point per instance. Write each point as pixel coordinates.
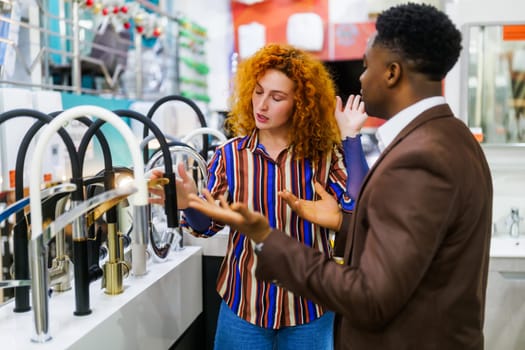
(351, 137)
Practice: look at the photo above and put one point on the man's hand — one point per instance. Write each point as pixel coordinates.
(237, 215)
(352, 118)
(323, 212)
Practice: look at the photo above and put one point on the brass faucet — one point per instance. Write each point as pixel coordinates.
(116, 267)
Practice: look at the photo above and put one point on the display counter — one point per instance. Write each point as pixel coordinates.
(152, 313)
(213, 251)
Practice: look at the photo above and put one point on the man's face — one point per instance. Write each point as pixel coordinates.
(373, 83)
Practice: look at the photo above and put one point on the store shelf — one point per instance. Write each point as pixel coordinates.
(153, 311)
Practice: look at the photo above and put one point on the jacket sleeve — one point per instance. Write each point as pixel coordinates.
(399, 243)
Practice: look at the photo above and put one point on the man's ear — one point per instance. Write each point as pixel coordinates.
(393, 73)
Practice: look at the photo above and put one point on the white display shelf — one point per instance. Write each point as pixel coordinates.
(152, 313)
(212, 246)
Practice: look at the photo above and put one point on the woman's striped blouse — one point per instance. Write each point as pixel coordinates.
(242, 169)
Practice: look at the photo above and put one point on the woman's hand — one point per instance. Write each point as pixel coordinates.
(352, 117)
(252, 224)
(323, 212)
(185, 186)
(157, 192)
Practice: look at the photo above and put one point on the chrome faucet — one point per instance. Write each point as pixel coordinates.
(514, 222)
(190, 157)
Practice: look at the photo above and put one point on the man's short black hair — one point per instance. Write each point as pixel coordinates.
(421, 34)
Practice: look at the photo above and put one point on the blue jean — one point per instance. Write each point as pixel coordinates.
(234, 333)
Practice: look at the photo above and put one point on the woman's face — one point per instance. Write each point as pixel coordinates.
(273, 101)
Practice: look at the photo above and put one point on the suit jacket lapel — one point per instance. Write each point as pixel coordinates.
(439, 111)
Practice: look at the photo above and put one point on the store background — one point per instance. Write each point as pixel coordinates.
(505, 326)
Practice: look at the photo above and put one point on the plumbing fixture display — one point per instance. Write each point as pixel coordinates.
(162, 248)
(61, 264)
(204, 131)
(108, 177)
(514, 218)
(170, 206)
(37, 243)
(56, 197)
(20, 238)
(193, 106)
(509, 225)
(192, 160)
(187, 155)
(85, 214)
(15, 283)
(90, 209)
(47, 192)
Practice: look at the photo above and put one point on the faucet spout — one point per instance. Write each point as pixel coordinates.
(15, 283)
(22, 203)
(514, 228)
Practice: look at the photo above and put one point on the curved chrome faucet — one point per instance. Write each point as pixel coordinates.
(192, 105)
(37, 246)
(204, 131)
(188, 156)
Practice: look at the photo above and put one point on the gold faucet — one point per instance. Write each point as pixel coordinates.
(116, 267)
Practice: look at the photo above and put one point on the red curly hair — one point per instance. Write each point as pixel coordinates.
(314, 127)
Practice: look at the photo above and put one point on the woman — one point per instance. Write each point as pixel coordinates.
(285, 124)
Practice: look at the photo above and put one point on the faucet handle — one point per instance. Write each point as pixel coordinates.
(515, 215)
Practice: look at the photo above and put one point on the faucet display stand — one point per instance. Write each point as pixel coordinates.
(154, 311)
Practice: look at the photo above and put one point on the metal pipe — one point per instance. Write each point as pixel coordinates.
(76, 73)
(140, 201)
(138, 66)
(149, 138)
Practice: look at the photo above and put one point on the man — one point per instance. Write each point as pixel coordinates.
(417, 247)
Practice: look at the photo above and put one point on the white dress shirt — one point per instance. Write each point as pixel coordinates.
(393, 126)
